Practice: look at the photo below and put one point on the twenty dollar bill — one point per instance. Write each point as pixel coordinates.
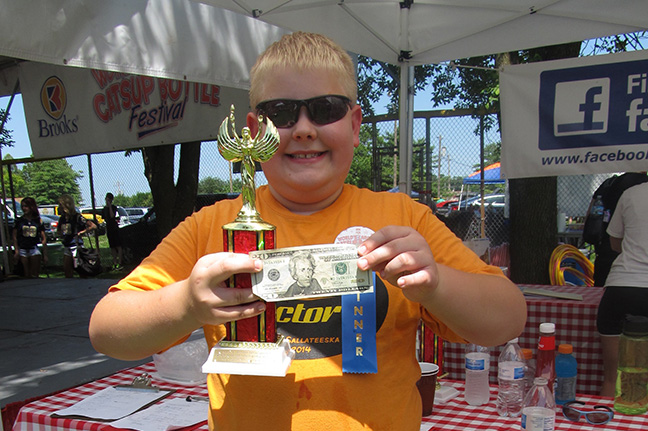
(309, 272)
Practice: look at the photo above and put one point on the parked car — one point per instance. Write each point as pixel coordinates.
(50, 209)
(443, 208)
(139, 239)
(51, 223)
(123, 219)
(7, 217)
(94, 215)
(490, 201)
(135, 213)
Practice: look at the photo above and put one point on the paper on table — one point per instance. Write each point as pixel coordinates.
(544, 292)
(171, 414)
(112, 403)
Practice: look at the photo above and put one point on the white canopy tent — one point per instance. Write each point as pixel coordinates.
(416, 32)
(177, 39)
(198, 41)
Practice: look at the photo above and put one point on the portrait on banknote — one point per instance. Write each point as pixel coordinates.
(309, 271)
(302, 269)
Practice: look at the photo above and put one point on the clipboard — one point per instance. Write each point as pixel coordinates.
(115, 402)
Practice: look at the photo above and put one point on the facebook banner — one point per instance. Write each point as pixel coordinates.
(576, 116)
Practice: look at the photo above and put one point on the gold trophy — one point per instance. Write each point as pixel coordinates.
(251, 345)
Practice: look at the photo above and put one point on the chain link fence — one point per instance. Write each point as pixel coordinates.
(447, 148)
(123, 174)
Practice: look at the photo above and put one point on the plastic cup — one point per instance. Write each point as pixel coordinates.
(427, 385)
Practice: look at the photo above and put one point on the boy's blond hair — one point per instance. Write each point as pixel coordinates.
(303, 51)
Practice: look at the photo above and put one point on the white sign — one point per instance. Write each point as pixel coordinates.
(585, 115)
(71, 111)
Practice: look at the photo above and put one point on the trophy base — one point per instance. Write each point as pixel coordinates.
(250, 358)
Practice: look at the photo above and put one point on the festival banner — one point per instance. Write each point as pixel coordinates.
(71, 111)
(585, 115)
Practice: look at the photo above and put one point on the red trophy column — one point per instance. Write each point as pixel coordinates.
(261, 328)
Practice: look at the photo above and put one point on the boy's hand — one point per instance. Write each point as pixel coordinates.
(402, 257)
(210, 301)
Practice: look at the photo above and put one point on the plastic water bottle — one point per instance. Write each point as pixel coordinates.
(539, 407)
(631, 397)
(566, 371)
(477, 391)
(546, 357)
(510, 376)
(529, 369)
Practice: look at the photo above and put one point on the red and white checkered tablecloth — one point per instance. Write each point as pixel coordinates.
(36, 416)
(456, 414)
(575, 324)
(453, 415)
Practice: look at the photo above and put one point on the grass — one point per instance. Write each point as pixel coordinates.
(54, 267)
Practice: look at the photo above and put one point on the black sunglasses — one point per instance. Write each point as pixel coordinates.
(321, 110)
(603, 415)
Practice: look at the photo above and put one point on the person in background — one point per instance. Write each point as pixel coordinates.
(610, 195)
(306, 84)
(626, 287)
(111, 217)
(70, 228)
(28, 232)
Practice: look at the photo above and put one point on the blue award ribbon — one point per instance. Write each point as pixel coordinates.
(359, 332)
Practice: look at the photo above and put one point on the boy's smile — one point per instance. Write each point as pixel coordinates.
(307, 172)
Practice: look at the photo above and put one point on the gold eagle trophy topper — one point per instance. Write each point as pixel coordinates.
(251, 346)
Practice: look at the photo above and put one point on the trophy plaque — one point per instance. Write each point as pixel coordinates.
(251, 346)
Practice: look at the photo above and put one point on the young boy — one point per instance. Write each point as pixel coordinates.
(306, 84)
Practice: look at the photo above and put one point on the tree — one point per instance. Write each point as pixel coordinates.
(173, 201)
(17, 186)
(210, 185)
(49, 179)
(492, 153)
(376, 174)
(6, 138)
(139, 199)
(468, 83)
(376, 79)
(360, 171)
(533, 201)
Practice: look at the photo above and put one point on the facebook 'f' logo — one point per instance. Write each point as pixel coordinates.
(581, 107)
(601, 105)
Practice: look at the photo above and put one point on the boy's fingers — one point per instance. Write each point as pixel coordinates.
(238, 312)
(228, 296)
(383, 253)
(213, 272)
(383, 236)
(422, 277)
(222, 266)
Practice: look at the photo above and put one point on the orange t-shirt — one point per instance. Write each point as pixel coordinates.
(315, 394)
